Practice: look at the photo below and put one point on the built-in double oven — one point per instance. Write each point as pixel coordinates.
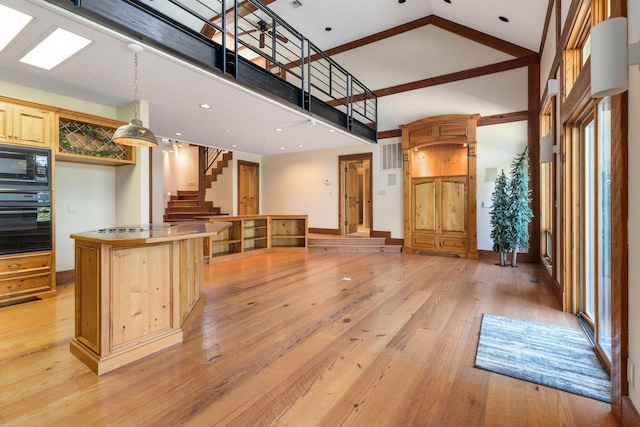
(25, 199)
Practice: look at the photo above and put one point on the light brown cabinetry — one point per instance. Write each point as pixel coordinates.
(84, 138)
(136, 293)
(25, 125)
(440, 214)
(255, 234)
(27, 275)
(439, 185)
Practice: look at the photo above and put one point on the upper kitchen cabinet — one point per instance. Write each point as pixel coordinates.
(23, 124)
(85, 138)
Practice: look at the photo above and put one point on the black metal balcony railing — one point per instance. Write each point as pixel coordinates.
(248, 41)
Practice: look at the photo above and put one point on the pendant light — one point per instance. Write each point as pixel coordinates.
(134, 134)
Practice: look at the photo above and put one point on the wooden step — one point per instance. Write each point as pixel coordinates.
(193, 209)
(329, 243)
(183, 216)
(356, 248)
(345, 240)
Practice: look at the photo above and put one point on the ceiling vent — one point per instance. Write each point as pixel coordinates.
(296, 4)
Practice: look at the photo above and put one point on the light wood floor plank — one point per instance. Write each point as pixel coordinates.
(295, 340)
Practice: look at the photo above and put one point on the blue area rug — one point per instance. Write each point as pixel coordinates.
(552, 356)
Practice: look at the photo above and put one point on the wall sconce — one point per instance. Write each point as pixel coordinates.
(546, 148)
(553, 87)
(168, 145)
(611, 56)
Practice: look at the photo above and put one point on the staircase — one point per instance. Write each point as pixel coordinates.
(332, 243)
(221, 163)
(184, 207)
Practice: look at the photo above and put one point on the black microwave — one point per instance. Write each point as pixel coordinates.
(24, 167)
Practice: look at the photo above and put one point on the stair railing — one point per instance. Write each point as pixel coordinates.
(212, 154)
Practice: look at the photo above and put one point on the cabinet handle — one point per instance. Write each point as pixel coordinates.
(14, 286)
(14, 265)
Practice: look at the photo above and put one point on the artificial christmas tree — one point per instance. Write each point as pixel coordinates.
(520, 213)
(501, 229)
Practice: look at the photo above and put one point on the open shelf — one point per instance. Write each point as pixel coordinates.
(250, 233)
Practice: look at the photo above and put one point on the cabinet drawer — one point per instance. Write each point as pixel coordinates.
(25, 284)
(455, 244)
(22, 263)
(425, 242)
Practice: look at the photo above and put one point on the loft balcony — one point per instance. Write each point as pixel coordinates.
(248, 43)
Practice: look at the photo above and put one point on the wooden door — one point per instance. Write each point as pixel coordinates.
(454, 205)
(248, 188)
(425, 208)
(351, 197)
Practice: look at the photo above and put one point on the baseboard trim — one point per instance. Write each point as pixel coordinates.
(64, 277)
(630, 417)
(331, 231)
(526, 258)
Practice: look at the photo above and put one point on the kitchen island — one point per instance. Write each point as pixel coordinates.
(137, 290)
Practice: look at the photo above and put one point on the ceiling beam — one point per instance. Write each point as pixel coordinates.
(497, 119)
(482, 38)
(448, 78)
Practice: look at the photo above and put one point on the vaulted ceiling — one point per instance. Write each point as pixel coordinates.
(421, 57)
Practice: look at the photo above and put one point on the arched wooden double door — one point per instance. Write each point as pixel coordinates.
(440, 185)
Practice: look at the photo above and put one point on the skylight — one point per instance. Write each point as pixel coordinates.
(11, 23)
(57, 47)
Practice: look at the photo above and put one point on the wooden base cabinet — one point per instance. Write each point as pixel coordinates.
(24, 276)
(136, 296)
(256, 234)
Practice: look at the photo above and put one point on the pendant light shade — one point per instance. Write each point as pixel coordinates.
(135, 134)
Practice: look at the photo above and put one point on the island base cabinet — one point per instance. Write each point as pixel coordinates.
(134, 300)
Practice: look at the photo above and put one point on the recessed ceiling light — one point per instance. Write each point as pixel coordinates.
(278, 129)
(227, 131)
(234, 145)
(178, 133)
(503, 19)
(56, 48)
(331, 130)
(11, 23)
(205, 106)
(282, 148)
(328, 28)
(300, 145)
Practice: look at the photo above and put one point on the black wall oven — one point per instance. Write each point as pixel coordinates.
(25, 199)
(25, 221)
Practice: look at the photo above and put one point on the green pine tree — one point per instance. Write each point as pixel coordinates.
(500, 218)
(520, 213)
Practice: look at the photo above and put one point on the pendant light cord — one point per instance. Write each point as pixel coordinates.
(135, 85)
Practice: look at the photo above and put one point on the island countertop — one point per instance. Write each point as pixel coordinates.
(128, 235)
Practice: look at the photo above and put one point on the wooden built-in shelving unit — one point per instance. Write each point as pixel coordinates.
(254, 234)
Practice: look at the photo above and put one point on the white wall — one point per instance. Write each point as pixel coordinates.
(295, 184)
(84, 200)
(548, 53)
(221, 191)
(498, 145)
(633, 12)
(189, 167)
(171, 171)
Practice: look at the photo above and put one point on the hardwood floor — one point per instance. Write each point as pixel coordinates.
(302, 340)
